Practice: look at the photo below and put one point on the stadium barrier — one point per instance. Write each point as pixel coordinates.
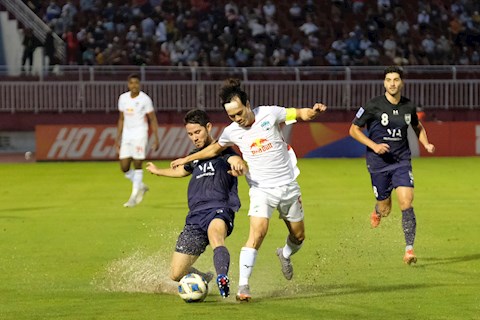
(180, 96)
(309, 140)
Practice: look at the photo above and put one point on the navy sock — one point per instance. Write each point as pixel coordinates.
(221, 260)
(409, 225)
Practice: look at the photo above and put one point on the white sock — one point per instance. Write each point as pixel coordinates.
(408, 248)
(290, 248)
(129, 174)
(137, 181)
(247, 261)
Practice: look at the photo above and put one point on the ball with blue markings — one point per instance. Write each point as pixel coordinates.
(193, 288)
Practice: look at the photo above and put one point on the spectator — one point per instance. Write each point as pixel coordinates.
(383, 6)
(29, 46)
(308, 27)
(357, 6)
(443, 50)
(423, 20)
(373, 56)
(390, 47)
(428, 45)
(402, 27)
(296, 14)
(49, 51)
(269, 9)
(72, 46)
(305, 56)
(148, 28)
(53, 12)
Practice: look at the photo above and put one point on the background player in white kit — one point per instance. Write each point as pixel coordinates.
(136, 108)
(272, 173)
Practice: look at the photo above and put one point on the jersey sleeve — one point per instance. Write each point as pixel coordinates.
(414, 122)
(280, 113)
(362, 116)
(224, 139)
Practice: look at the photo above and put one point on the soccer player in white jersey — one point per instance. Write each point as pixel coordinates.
(136, 108)
(271, 176)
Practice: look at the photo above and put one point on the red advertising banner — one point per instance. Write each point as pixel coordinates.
(97, 142)
(309, 140)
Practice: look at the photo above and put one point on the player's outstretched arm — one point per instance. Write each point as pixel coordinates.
(307, 114)
(211, 151)
(357, 134)
(178, 172)
(238, 166)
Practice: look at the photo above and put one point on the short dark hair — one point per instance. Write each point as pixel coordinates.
(133, 76)
(231, 89)
(196, 116)
(392, 69)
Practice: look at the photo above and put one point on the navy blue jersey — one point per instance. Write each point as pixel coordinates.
(210, 185)
(388, 123)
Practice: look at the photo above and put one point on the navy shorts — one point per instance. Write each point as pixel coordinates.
(193, 240)
(384, 182)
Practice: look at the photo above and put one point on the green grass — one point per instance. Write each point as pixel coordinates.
(69, 250)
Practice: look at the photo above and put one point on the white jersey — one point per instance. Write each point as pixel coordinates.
(134, 110)
(263, 148)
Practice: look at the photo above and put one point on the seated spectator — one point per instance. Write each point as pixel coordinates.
(423, 20)
(357, 6)
(53, 12)
(308, 27)
(295, 12)
(269, 9)
(305, 56)
(373, 56)
(402, 27)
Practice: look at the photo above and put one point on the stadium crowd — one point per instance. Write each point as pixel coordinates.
(265, 33)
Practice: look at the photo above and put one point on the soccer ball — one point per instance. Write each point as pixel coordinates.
(193, 288)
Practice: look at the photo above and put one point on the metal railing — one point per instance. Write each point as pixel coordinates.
(102, 96)
(174, 73)
(30, 20)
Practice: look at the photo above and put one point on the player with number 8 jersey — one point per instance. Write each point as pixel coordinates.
(387, 118)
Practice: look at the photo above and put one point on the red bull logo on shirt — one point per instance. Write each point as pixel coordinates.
(260, 145)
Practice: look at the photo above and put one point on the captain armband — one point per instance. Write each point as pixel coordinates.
(291, 116)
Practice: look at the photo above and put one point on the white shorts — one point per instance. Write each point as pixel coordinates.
(287, 199)
(134, 148)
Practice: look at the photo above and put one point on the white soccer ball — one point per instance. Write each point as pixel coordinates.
(193, 288)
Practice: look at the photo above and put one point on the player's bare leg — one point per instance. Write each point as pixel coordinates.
(382, 209)
(409, 223)
(294, 242)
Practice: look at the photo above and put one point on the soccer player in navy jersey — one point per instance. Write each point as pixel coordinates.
(387, 118)
(212, 201)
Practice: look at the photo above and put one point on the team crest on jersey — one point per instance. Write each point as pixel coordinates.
(260, 146)
(265, 125)
(408, 118)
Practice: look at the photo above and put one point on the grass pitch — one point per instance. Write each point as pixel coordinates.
(69, 250)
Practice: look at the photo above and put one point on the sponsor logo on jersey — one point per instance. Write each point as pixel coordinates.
(360, 112)
(260, 145)
(408, 118)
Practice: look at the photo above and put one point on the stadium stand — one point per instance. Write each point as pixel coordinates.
(265, 33)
